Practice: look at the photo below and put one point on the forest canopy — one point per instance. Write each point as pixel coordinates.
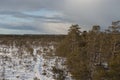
(94, 54)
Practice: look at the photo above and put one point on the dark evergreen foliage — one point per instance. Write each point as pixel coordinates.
(92, 55)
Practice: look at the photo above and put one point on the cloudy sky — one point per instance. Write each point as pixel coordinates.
(55, 16)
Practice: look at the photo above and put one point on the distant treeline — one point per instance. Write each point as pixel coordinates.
(45, 37)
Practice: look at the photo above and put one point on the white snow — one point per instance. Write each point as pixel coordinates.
(19, 64)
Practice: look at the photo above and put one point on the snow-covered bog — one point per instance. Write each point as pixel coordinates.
(31, 63)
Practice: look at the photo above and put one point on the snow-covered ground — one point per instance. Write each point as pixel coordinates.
(18, 63)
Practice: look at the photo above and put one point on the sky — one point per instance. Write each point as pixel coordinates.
(55, 16)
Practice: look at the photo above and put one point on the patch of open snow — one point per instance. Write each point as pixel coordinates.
(20, 65)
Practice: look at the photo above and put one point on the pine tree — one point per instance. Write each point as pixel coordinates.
(70, 43)
(73, 49)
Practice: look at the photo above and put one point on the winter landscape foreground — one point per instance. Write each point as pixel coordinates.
(31, 58)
